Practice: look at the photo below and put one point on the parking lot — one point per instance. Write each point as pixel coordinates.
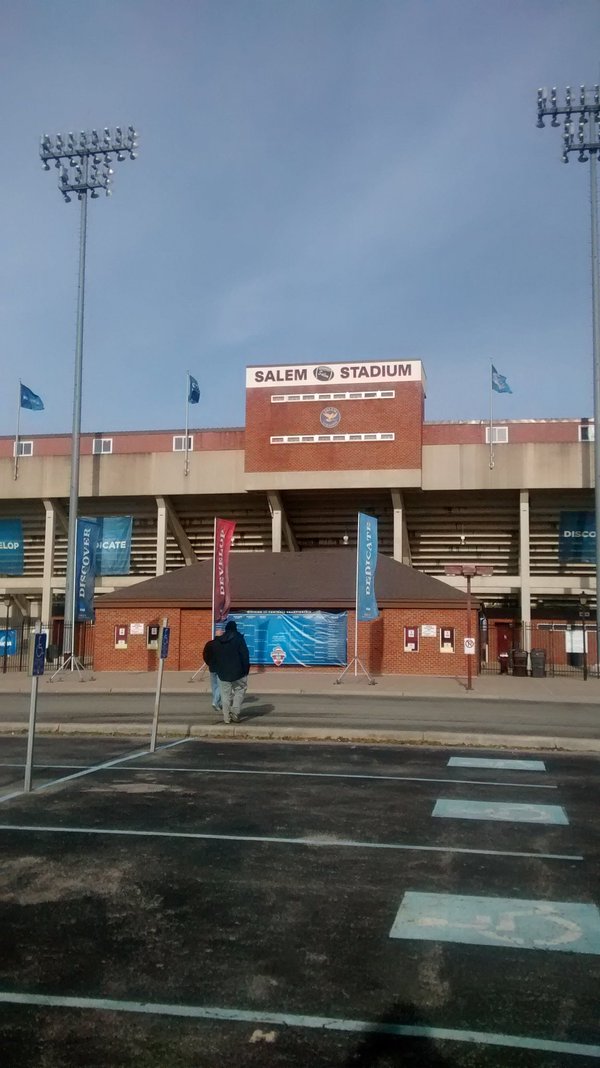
(297, 904)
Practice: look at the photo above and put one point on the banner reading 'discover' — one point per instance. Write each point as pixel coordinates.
(88, 531)
(224, 529)
(366, 565)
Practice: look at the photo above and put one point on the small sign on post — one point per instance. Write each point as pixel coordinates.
(36, 664)
(163, 649)
(469, 646)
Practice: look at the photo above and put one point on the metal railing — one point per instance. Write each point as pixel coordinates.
(15, 641)
(553, 649)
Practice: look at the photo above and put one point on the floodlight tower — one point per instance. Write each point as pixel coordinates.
(584, 107)
(84, 162)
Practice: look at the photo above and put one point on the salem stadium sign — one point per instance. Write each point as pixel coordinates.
(319, 376)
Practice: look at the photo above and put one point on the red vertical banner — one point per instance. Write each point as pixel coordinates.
(224, 529)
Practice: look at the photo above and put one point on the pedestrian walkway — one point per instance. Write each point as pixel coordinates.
(287, 681)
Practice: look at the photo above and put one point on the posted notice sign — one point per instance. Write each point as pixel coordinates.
(470, 646)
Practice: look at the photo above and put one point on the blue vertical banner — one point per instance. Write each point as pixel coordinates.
(366, 565)
(11, 547)
(85, 568)
(577, 537)
(113, 552)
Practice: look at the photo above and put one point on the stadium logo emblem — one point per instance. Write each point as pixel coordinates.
(323, 374)
(330, 418)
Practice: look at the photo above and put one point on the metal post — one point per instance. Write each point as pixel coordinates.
(159, 678)
(69, 615)
(91, 155)
(469, 635)
(32, 713)
(596, 344)
(586, 108)
(5, 657)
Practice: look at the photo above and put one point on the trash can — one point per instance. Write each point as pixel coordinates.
(538, 663)
(51, 654)
(503, 661)
(519, 658)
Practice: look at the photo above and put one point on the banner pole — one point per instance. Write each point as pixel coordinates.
(356, 598)
(491, 420)
(16, 471)
(186, 466)
(214, 571)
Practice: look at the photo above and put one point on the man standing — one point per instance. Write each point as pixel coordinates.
(229, 658)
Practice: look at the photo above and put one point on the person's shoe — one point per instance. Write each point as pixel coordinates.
(218, 708)
(234, 718)
(226, 719)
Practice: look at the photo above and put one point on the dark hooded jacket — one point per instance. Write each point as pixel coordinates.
(227, 654)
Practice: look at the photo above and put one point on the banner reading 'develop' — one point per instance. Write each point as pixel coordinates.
(366, 565)
(224, 529)
(88, 531)
(11, 547)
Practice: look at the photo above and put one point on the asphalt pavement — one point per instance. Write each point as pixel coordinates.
(550, 713)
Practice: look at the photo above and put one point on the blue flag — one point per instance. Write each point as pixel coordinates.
(194, 393)
(85, 567)
(366, 564)
(499, 383)
(29, 399)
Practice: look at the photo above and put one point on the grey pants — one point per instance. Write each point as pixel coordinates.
(232, 695)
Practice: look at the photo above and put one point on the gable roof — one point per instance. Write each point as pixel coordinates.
(314, 578)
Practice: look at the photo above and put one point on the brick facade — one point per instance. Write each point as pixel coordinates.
(380, 644)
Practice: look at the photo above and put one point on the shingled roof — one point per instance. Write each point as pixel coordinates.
(314, 578)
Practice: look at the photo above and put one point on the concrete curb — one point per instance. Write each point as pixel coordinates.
(477, 740)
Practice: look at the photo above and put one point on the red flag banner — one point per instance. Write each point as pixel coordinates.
(224, 529)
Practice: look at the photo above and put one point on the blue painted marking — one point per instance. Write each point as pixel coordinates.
(319, 1023)
(515, 923)
(325, 841)
(499, 810)
(506, 765)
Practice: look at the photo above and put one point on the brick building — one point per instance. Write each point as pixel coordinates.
(420, 629)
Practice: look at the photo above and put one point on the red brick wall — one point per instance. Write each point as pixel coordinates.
(546, 431)
(402, 416)
(380, 644)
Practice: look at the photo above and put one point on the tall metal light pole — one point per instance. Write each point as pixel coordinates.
(584, 107)
(84, 162)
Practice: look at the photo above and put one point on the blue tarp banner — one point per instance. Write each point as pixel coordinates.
(302, 638)
(366, 566)
(11, 547)
(8, 642)
(577, 537)
(113, 553)
(85, 568)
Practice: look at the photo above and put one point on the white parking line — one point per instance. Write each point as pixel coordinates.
(324, 841)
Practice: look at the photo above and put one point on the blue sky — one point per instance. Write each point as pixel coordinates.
(340, 179)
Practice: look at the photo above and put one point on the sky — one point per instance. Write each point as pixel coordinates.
(317, 180)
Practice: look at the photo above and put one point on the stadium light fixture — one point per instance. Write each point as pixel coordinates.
(84, 162)
(469, 571)
(580, 115)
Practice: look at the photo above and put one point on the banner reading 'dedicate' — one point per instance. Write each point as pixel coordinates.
(366, 604)
(113, 554)
(224, 529)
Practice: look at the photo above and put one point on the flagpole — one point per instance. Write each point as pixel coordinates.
(16, 471)
(212, 624)
(491, 418)
(187, 421)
